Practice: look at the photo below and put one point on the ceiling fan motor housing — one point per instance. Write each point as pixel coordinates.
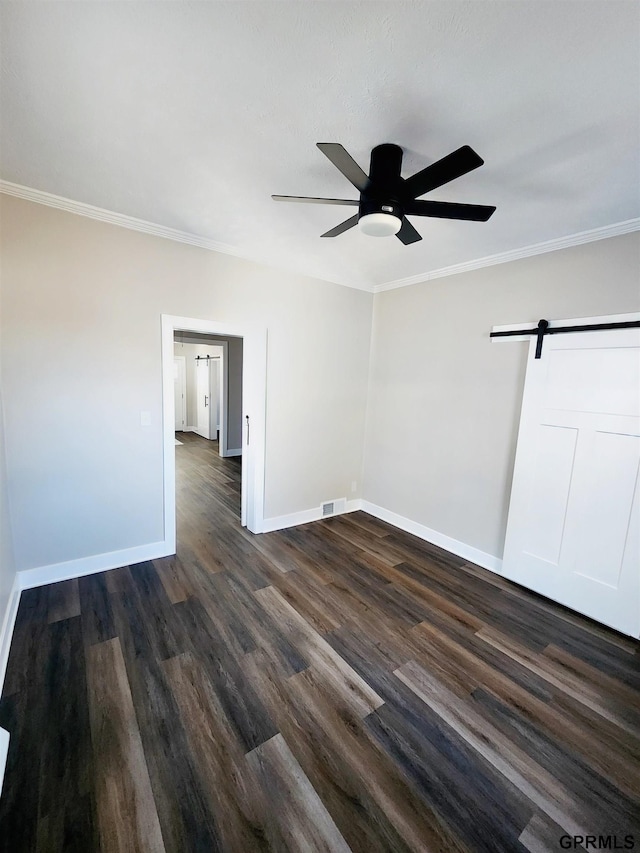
(370, 205)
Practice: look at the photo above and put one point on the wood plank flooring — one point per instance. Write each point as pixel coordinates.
(332, 687)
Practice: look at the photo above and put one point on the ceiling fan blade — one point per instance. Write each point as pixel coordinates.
(407, 233)
(306, 200)
(343, 161)
(344, 226)
(450, 167)
(450, 210)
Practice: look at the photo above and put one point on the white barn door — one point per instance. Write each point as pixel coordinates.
(573, 532)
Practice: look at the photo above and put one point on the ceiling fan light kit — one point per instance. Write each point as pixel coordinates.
(379, 224)
(386, 198)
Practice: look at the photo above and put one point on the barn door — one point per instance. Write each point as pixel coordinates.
(574, 517)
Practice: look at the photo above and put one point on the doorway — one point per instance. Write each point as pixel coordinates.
(252, 436)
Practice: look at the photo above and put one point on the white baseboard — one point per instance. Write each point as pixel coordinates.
(4, 751)
(56, 572)
(234, 452)
(461, 549)
(8, 623)
(280, 522)
(454, 546)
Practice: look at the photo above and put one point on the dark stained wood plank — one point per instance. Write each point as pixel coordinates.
(469, 668)
(26, 652)
(626, 717)
(468, 796)
(174, 578)
(64, 600)
(601, 800)
(237, 801)
(329, 666)
(66, 811)
(542, 835)
(182, 803)
(266, 633)
(141, 585)
(294, 813)
(242, 704)
(371, 803)
(21, 787)
(95, 607)
(484, 738)
(127, 813)
(372, 525)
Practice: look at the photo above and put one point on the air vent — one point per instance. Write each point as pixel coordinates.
(334, 507)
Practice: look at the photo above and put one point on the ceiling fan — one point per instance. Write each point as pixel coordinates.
(386, 198)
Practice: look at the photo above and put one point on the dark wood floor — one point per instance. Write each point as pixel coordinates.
(336, 686)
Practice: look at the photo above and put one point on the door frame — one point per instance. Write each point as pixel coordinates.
(183, 381)
(254, 395)
(223, 438)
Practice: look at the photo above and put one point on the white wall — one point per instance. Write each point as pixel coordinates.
(81, 351)
(444, 402)
(7, 564)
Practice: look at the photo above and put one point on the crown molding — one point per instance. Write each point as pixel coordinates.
(134, 224)
(130, 222)
(516, 254)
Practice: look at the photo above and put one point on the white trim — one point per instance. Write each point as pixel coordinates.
(254, 401)
(237, 451)
(4, 752)
(183, 379)
(280, 522)
(29, 578)
(8, 624)
(223, 427)
(121, 219)
(517, 254)
(134, 224)
(461, 549)
(576, 321)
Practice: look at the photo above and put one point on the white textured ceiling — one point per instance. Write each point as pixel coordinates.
(190, 115)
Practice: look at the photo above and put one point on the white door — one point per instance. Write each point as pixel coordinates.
(573, 530)
(203, 398)
(180, 391)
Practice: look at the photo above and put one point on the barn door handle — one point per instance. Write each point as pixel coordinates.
(206, 401)
(247, 417)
